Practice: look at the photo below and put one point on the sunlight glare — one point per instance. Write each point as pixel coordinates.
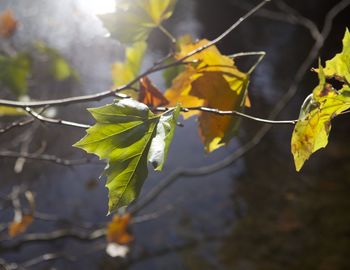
(100, 6)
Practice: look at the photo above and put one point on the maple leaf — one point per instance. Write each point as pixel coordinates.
(213, 81)
(8, 24)
(128, 135)
(313, 127)
(150, 95)
(134, 20)
(118, 230)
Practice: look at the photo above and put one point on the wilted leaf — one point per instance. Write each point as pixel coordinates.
(8, 24)
(20, 226)
(150, 95)
(14, 71)
(215, 82)
(134, 20)
(314, 124)
(339, 66)
(117, 230)
(60, 68)
(123, 135)
(124, 72)
(161, 142)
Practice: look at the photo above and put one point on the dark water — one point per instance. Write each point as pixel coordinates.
(257, 214)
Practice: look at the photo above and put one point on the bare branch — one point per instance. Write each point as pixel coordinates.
(231, 113)
(16, 124)
(48, 158)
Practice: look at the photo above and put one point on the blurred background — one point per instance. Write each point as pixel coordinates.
(257, 214)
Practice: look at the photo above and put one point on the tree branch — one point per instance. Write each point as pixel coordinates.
(48, 158)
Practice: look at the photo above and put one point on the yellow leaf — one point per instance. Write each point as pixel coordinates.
(213, 81)
(339, 66)
(126, 71)
(117, 230)
(18, 227)
(312, 129)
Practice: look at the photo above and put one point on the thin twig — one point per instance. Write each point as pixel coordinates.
(55, 121)
(231, 113)
(48, 158)
(16, 124)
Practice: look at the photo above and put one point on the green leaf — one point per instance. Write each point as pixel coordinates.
(312, 129)
(14, 71)
(339, 66)
(60, 68)
(122, 135)
(161, 142)
(124, 72)
(134, 20)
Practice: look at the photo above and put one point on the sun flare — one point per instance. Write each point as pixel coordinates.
(100, 6)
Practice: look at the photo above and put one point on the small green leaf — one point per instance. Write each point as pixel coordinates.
(122, 135)
(312, 129)
(124, 72)
(339, 66)
(134, 20)
(14, 71)
(165, 132)
(60, 68)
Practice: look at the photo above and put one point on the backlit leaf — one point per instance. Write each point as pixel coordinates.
(126, 71)
(117, 230)
(135, 19)
(161, 142)
(123, 134)
(312, 129)
(14, 71)
(8, 24)
(150, 95)
(339, 66)
(214, 81)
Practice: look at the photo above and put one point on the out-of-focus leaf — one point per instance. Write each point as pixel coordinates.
(60, 68)
(213, 81)
(134, 20)
(14, 71)
(8, 24)
(339, 66)
(165, 132)
(123, 134)
(150, 95)
(20, 226)
(118, 230)
(10, 111)
(312, 129)
(126, 71)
